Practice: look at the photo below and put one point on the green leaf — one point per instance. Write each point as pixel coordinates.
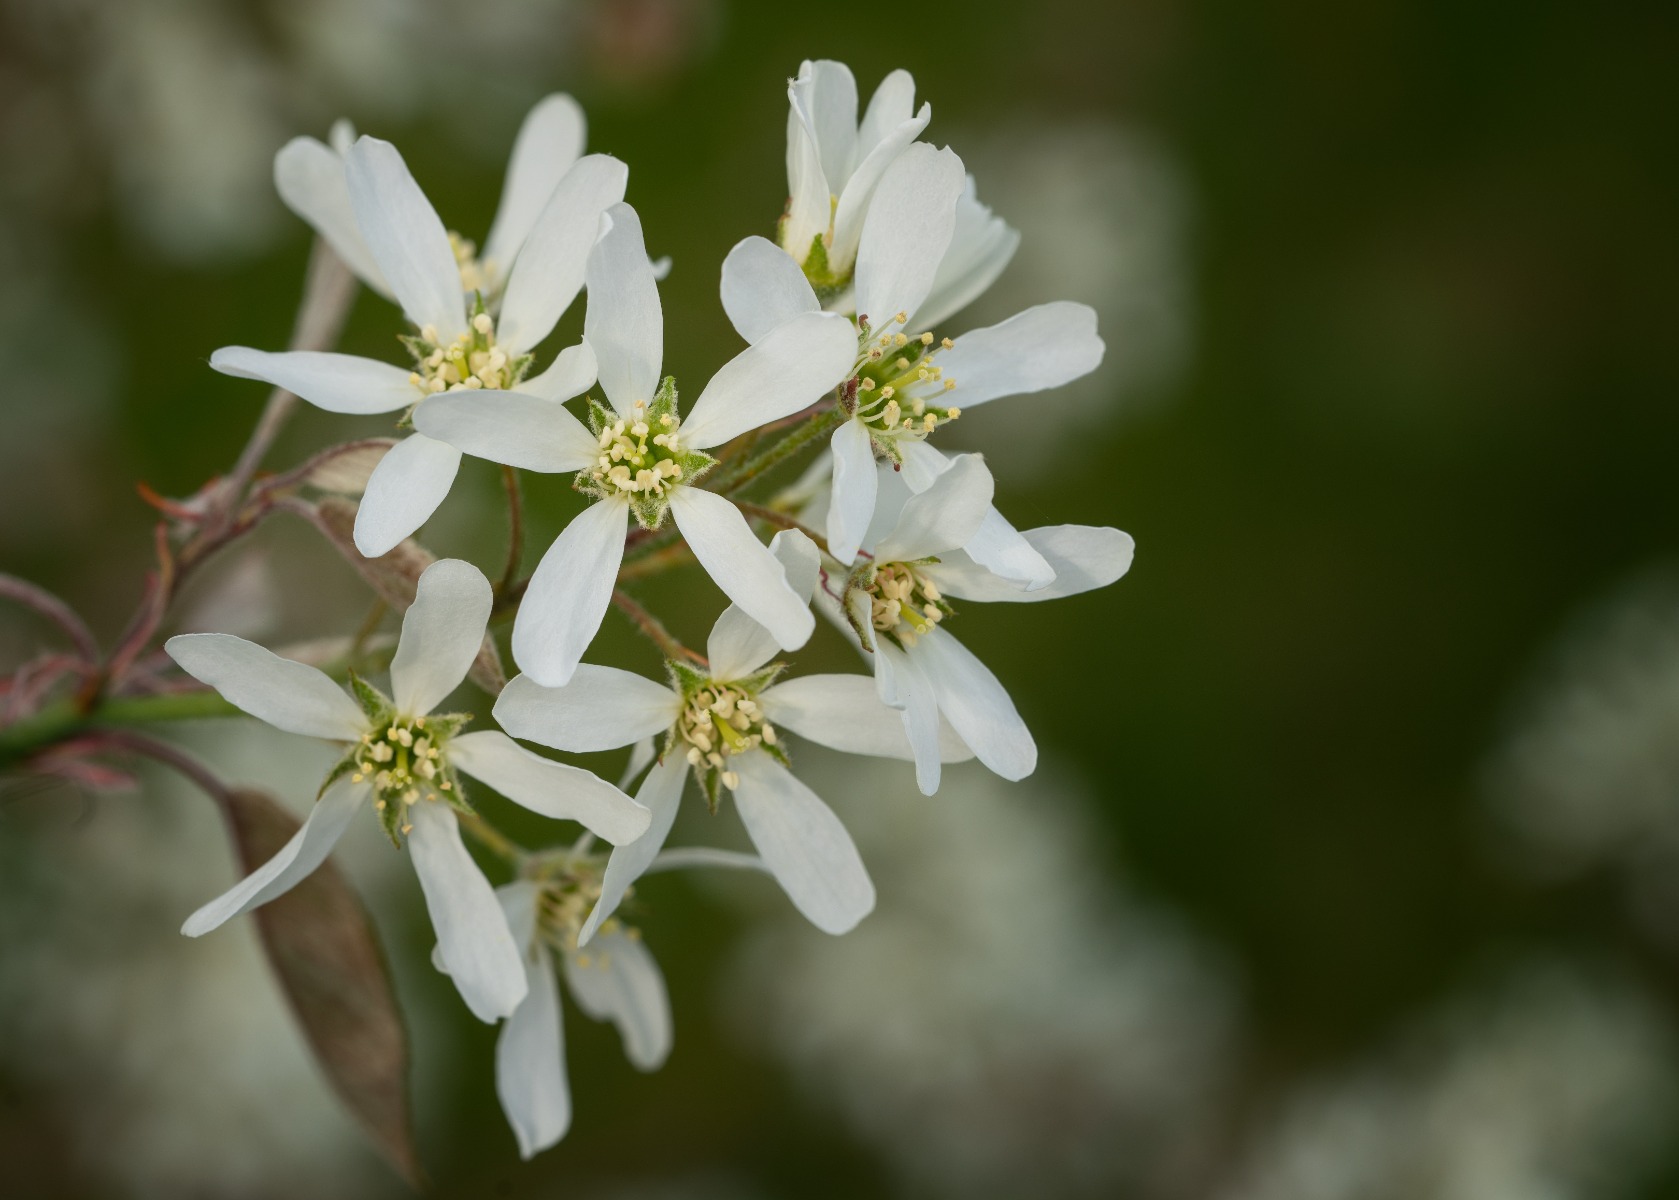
(324, 950)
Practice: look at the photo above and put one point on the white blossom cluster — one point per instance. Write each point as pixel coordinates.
(851, 315)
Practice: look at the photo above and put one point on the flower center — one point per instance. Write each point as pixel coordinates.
(720, 720)
(904, 604)
(405, 763)
(897, 378)
(477, 274)
(639, 456)
(571, 888)
(470, 362)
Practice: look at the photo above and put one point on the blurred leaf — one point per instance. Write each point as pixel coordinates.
(395, 577)
(322, 945)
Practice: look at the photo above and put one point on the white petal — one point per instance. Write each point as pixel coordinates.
(623, 323)
(803, 844)
(741, 566)
(851, 504)
(980, 248)
(944, 517)
(845, 712)
(310, 179)
(1084, 557)
(763, 287)
(291, 864)
(403, 491)
(509, 427)
(1043, 347)
(530, 1062)
(569, 592)
(549, 271)
(549, 142)
(405, 236)
(892, 104)
(602, 708)
(442, 632)
(472, 933)
(790, 368)
(821, 138)
(552, 789)
(288, 695)
(860, 189)
(922, 722)
(572, 373)
(739, 645)
(996, 545)
(340, 383)
(906, 233)
(641, 756)
(617, 980)
(976, 705)
(661, 794)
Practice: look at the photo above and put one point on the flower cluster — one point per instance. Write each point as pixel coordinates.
(850, 317)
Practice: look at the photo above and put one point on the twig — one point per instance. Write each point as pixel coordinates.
(488, 836)
(781, 521)
(815, 426)
(327, 291)
(53, 609)
(650, 625)
(515, 527)
(133, 742)
(659, 560)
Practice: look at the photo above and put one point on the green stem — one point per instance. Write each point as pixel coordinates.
(817, 425)
(489, 837)
(64, 719)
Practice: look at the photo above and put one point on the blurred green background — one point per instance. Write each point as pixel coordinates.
(1347, 873)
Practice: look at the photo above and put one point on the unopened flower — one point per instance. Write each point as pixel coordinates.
(467, 338)
(834, 163)
(897, 602)
(909, 381)
(723, 724)
(642, 457)
(406, 761)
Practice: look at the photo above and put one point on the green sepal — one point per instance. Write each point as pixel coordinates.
(373, 702)
(455, 797)
(391, 818)
(649, 510)
(760, 679)
(778, 753)
(711, 783)
(340, 769)
(824, 281)
(686, 679)
(440, 727)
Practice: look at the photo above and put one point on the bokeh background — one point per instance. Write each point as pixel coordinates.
(1351, 871)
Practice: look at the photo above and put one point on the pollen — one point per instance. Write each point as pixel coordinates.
(899, 374)
(904, 604)
(404, 762)
(718, 722)
(471, 361)
(633, 460)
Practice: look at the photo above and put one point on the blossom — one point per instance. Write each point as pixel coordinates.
(722, 723)
(834, 162)
(407, 761)
(458, 346)
(312, 180)
(642, 458)
(896, 601)
(906, 379)
(615, 979)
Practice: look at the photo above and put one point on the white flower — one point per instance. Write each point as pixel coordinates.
(834, 163)
(615, 979)
(458, 347)
(312, 180)
(405, 761)
(722, 723)
(644, 458)
(897, 601)
(906, 380)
